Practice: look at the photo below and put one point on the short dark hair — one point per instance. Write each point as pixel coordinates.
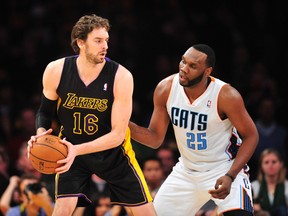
(84, 26)
(211, 58)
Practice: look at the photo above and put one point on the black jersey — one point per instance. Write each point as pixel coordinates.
(85, 111)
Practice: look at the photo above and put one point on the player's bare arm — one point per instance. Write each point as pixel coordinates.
(51, 78)
(231, 104)
(50, 81)
(154, 135)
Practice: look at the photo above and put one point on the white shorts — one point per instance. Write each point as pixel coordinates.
(184, 192)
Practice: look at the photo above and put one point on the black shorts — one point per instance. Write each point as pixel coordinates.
(117, 166)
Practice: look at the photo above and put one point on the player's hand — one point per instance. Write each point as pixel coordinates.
(222, 188)
(69, 159)
(34, 138)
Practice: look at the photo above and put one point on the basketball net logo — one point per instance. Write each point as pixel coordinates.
(209, 102)
(105, 87)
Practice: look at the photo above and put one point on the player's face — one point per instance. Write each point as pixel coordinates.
(96, 45)
(192, 68)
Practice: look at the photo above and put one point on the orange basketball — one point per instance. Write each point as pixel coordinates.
(45, 153)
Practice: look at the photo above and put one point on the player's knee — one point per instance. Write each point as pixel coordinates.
(64, 210)
(143, 210)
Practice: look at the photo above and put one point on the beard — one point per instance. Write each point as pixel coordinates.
(94, 58)
(194, 81)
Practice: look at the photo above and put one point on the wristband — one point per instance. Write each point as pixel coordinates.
(45, 113)
(230, 176)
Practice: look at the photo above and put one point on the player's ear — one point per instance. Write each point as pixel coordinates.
(208, 71)
(80, 43)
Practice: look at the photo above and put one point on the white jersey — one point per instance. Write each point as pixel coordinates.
(207, 147)
(204, 140)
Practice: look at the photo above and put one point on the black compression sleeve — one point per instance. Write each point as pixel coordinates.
(45, 112)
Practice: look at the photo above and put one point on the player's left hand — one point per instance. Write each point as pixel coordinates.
(222, 188)
(69, 159)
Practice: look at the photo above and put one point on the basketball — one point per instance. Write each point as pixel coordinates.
(45, 153)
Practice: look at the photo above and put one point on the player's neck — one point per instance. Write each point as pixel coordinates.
(87, 66)
(197, 90)
(88, 71)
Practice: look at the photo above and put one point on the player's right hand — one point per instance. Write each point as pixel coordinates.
(222, 188)
(34, 138)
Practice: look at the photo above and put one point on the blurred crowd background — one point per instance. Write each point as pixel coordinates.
(148, 38)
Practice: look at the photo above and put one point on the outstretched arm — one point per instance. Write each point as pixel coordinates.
(154, 135)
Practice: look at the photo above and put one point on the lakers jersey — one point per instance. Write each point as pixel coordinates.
(204, 140)
(85, 111)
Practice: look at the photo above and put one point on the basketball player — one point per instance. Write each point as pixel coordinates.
(93, 96)
(205, 113)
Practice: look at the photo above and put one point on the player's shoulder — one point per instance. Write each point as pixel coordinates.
(164, 86)
(123, 74)
(229, 97)
(166, 82)
(54, 70)
(229, 92)
(56, 64)
(121, 69)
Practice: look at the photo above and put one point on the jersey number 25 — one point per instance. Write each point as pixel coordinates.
(196, 141)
